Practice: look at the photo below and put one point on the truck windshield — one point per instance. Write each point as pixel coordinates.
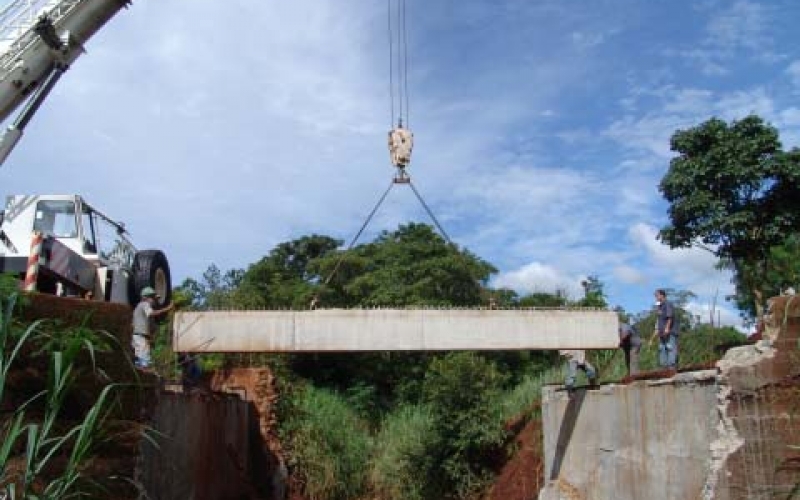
(56, 218)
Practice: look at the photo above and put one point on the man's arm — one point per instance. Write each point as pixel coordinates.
(159, 312)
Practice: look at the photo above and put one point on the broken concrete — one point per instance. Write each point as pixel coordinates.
(724, 434)
(355, 330)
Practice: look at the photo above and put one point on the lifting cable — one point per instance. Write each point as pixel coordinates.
(398, 63)
(398, 94)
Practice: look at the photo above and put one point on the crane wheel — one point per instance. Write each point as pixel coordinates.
(150, 268)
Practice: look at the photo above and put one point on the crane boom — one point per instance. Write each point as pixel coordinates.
(39, 40)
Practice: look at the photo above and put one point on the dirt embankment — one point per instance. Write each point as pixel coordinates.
(115, 459)
(522, 476)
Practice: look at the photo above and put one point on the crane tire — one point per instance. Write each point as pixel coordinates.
(150, 268)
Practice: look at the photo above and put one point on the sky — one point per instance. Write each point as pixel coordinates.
(217, 129)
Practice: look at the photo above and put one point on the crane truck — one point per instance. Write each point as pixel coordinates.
(59, 243)
(39, 40)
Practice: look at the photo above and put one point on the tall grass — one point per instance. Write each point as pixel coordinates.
(697, 347)
(520, 400)
(331, 445)
(48, 457)
(402, 463)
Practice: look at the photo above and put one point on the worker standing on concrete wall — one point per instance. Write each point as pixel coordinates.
(667, 329)
(144, 327)
(631, 343)
(577, 359)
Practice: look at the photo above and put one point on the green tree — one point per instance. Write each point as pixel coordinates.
(214, 290)
(733, 191)
(783, 271)
(411, 266)
(594, 293)
(285, 278)
(462, 390)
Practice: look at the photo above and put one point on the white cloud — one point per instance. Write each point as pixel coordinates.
(734, 31)
(742, 25)
(722, 314)
(691, 269)
(736, 105)
(630, 275)
(587, 40)
(650, 133)
(539, 277)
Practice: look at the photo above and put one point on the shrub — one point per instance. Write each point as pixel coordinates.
(401, 466)
(462, 390)
(330, 445)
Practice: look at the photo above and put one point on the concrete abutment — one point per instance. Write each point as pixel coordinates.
(725, 434)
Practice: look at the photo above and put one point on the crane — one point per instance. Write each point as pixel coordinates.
(39, 41)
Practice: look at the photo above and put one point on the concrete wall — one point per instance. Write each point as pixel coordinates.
(629, 442)
(725, 434)
(207, 448)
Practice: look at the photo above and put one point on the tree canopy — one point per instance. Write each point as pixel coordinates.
(410, 266)
(735, 192)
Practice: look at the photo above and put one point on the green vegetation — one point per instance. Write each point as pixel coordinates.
(428, 425)
(406, 425)
(734, 191)
(330, 444)
(45, 448)
(403, 462)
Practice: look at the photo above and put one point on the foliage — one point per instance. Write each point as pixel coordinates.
(456, 403)
(462, 390)
(216, 290)
(698, 346)
(330, 445)
(543, 299)
(411, 266)
(518, 401)
(734, 191)
(782, 272)
(54, 455)
(594, 293)
(285, 278)
(402, 465)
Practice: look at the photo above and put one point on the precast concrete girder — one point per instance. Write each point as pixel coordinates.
(362, 330)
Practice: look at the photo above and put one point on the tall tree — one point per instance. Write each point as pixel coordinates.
(215, 290)
(410, 266)
(733, 191)
(285, 278)
(594, 294)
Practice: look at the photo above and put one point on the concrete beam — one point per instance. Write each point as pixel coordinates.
(344, 330)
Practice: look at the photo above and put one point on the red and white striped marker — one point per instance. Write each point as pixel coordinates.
(34, 259)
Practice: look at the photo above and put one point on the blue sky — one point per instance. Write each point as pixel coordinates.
(216, 130)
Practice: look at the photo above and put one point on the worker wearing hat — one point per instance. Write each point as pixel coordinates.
(144, 326)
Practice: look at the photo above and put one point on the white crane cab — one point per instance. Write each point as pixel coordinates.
(60, 244)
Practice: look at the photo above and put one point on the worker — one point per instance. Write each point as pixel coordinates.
(667, 331)
(144, 327)
(577, 359)
(190, 370)
(401, 141)
(631, 343)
